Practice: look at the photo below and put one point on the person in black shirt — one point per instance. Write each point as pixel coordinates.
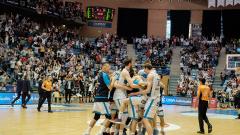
(40, 90)
(237, 102)
(26, 90)
(18, 91)
(68, 88)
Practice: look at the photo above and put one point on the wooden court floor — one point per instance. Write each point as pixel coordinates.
(73, 120)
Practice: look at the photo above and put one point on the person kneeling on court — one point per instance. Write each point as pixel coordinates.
(101, 105)
(47, 88)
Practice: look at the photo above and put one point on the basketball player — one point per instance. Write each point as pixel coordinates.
(101, 104)
(133, 102)
(160, 113)
(113, 106)
(153, 92)
(121, 94)
(160, 109)
(203, 96)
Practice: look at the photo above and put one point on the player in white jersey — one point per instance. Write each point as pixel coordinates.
(153, 92)
(121, 94)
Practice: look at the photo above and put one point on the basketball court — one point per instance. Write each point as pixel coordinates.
(73, 120)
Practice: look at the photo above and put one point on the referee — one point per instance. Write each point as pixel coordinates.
(203, 96)
(47, 89)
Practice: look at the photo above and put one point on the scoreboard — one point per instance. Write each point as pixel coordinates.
(100, 13)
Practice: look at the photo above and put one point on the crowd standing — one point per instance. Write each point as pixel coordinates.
(29, 49)
(198, 60)
(68, 10)
(158, 51)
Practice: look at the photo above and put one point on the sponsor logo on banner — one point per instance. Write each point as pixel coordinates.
(7, 98)
(236, 2)
(229, 2)
(172, 100)
(211, 3)
(220, 3)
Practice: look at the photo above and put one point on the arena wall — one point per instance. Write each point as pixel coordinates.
(157, 13)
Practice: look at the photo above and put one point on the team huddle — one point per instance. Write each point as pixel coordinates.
(127, 98)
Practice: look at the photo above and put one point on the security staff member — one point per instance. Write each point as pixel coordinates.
(47, 87)
(203, 96)
(40, 90)
(26, 91)
(18, 91)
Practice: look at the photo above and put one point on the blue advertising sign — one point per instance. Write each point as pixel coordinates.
(173, 100)
(100, 24)
(7, 98)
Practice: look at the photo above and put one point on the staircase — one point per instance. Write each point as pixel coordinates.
(220, 68)
(131, 52)
(174, 70)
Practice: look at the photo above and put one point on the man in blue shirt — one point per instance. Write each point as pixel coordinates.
(101, 105)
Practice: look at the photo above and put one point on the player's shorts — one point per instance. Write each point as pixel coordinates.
(118, 103)
(113, 107)
(160, 112)
(151, 108)
(102, 108)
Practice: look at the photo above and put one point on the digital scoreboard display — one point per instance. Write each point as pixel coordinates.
(100, 13)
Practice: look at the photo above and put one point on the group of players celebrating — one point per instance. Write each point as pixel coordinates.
(127, 98)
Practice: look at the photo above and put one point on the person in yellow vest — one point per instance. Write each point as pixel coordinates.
(47, 89)
(203, 95)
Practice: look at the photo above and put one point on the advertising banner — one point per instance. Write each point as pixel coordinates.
(173, 100)
(7, 98)
(211, 3)
(212, 103)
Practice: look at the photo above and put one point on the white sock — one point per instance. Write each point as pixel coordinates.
(103, 129)
(139, 128)
(120, 132)
(112, 129)
(108, 130)
(116, 132)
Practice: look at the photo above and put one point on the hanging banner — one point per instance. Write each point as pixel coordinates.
(229, 2)
(236, 2)
(220, 3)
(196, 30)
(211, 3)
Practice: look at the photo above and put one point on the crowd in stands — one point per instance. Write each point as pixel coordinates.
(230, 82)
(27, 49)
(198, 60)
(158, 51)
(67, 10)
(233, 47)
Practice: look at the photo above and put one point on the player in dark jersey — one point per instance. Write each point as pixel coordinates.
(101, 105)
